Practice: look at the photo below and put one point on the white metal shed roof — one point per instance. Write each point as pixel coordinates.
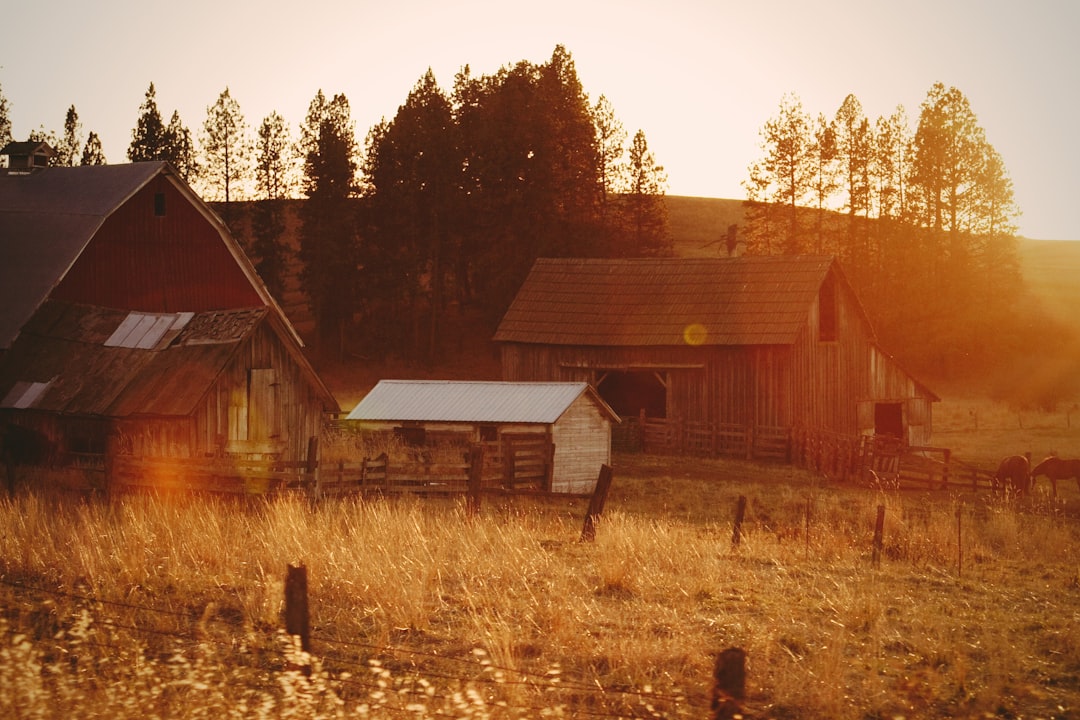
(472, 401)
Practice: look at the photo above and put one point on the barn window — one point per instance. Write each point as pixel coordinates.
(827, 311)
(889, 419)
(159, 204)
(628, 393)
(489, 433)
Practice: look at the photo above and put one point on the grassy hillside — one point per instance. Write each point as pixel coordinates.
(1052, 272)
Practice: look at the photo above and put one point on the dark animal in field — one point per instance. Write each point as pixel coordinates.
(1056, 469)
(1013, 472)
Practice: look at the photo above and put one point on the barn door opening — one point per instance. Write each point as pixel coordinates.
(630, 392)
(889, 419)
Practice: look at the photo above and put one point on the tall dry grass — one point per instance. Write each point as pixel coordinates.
(172, 606)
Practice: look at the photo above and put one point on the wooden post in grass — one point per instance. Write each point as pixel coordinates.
(959, 541)
(740, 513)
(476, 476)
(312, 466)
(297, 620)
(879, 534)
(729, 685)
(596, 504)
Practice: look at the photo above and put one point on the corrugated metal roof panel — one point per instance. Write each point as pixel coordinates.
(468, 401)
(669, 301)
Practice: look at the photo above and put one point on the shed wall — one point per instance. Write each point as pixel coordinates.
(582, 437)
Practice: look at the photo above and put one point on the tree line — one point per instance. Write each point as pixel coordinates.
(447, 204)
(923, 222)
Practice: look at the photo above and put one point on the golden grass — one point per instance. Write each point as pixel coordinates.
(172, 606)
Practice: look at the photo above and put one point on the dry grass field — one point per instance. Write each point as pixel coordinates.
(172, 607)
(142, 606)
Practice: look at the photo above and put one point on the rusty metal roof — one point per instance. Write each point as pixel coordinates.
(61, 362)
(473, 401)
(750, 300)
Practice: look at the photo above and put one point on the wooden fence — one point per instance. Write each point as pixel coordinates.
(514, 464)
(861, 459)
(674, 436)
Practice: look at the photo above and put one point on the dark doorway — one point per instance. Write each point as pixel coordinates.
(628, 393)
(889, 419)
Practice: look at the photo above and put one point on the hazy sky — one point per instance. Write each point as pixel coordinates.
(700, 78)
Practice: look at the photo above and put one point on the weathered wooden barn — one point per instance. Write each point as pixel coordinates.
(769, 344)
(570, 418)
(131, 321)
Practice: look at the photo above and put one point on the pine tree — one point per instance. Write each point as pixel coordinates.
(92, 153)
(225, 146)
(148, 138)
(5, 120)
(67, 151)
(274, 159)
(328, 242)
(179, 149)
(783, 178)
(646, 217)
(273, 183)
(413, 172)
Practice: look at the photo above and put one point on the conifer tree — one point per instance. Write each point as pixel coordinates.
(328, 243)
(225, 149)
(5, 120)
(67, 152)
(92, 153)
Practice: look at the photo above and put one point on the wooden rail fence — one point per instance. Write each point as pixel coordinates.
(512, 465)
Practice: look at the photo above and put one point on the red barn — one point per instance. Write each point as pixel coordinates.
(128, 311)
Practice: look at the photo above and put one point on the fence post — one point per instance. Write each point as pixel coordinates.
(297, 620)
(729, 685)
(959, 541)
(740, 512)
(596, 504)
(312, 466)
(879, 532)
(476, 476)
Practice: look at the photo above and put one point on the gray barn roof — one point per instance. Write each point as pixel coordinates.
(473, 401)
(750, 300)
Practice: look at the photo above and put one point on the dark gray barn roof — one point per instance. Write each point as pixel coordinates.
(750, 300)
(473, 401)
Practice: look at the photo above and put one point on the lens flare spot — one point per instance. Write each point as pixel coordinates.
(695, 334)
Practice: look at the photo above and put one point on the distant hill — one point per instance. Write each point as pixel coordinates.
(1051, 268)
(1052, 273)
(699, 226)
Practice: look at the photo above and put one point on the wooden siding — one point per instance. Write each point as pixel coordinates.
(260, 404)
(176, 262)
(811, 383)
(582, 438)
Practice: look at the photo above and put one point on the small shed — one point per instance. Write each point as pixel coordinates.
(570, 416)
